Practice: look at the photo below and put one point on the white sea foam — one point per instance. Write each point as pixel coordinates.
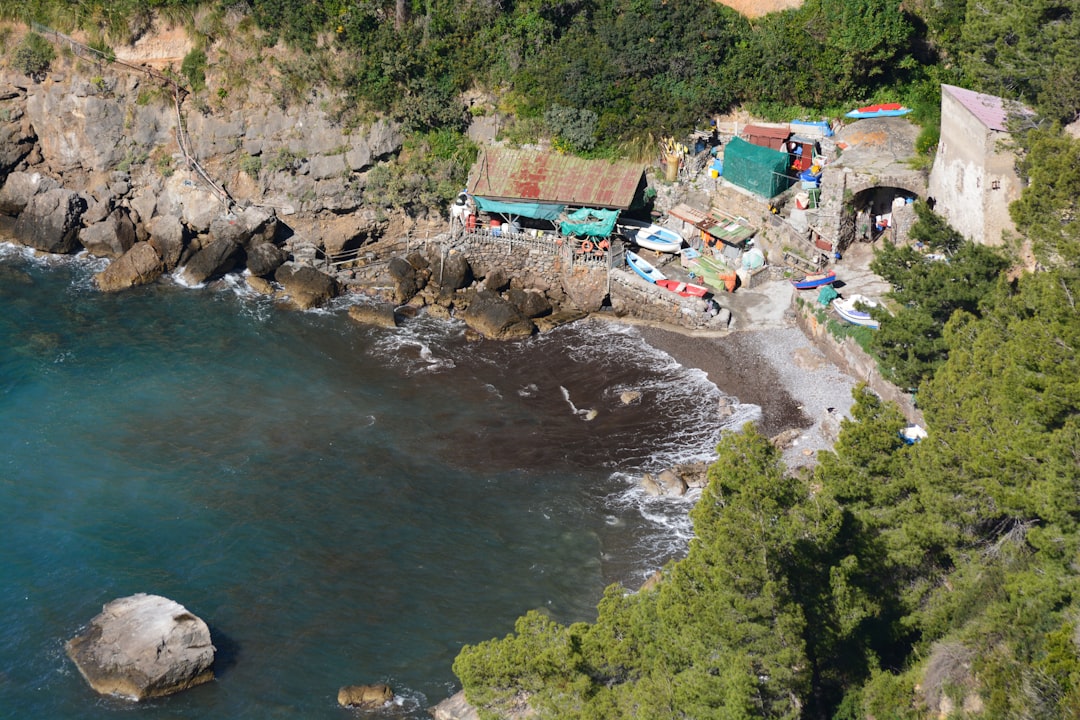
(418, 345)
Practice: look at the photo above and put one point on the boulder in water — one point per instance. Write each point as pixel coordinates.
(306, 286)
(365, 696)
(138, 266)
(497, 318)
(380, 315)
(50, 222)
(213, 260)
(143, 646)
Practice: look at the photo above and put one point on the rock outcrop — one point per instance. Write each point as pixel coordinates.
(368, 697)
(50, 222)
(143, 646)
(140, 265)
(380, 315)
(496, 318)
(110, 238)
(213, 260)
(306, 287)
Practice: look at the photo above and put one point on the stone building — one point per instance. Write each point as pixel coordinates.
(868, 190)
(974, 177)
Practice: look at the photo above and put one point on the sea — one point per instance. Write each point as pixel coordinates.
(341, 504)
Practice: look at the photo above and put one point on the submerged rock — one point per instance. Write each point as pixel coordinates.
(143, 646)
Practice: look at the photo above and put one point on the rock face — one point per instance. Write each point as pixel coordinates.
(50, 221)
(365, 696)
(143, 646)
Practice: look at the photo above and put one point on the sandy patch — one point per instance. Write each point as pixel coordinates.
(757, 8)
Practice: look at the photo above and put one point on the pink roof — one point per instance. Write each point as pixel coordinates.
(989, 109)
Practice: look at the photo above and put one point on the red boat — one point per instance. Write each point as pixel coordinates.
(882, 110)
(681, 288)
(806, 282)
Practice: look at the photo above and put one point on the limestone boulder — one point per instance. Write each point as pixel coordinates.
(306, 286)
(98, 208)
(496, 280)
(213, 260)
(531, 304)
(166, 234)
(403, 274)
(455, 707)
(110, 238)
(671, 483)
(51, 221)
(586, 288)
(365, 696)
(496, 318)
(195, 204)
(248, 228)
(264, 259)
(140, 265)
(143, 646)
(451, 272)
(381, 315)
(20, 188)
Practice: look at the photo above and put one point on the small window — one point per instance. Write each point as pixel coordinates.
(995, 185)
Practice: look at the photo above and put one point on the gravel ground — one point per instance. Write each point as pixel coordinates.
(802, 396)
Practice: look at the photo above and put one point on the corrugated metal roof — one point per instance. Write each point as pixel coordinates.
(532, 175)
(765, 135)
(989, 109)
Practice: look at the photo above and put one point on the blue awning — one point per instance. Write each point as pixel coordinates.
(538, 211)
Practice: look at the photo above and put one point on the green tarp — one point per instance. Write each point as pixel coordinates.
(760, 170)
(589, 222)
(537, 211)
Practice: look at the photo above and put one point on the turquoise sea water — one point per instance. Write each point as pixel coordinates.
(340, 504)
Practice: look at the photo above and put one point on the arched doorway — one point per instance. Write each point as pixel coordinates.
(882, 211)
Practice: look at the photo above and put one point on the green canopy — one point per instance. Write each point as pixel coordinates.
(759, 169)
(589, 222)
(537, 211)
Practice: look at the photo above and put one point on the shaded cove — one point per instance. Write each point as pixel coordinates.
(340, 504)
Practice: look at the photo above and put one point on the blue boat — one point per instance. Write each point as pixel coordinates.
(643, 268)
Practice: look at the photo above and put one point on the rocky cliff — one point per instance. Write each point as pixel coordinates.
(105, 157)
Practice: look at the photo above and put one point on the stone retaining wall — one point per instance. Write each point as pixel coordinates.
(854, 361)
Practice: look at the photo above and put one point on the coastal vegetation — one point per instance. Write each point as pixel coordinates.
(893, 581)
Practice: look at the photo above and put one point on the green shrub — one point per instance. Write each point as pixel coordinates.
(194, 69)
(33, 56)
(251, 165)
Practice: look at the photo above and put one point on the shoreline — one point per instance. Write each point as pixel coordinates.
(774, 365)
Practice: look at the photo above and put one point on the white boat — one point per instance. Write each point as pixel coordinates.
(846, 309)
(643, 268)
(650, 236)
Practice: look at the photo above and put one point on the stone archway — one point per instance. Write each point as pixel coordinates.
(882, 211)
(844, 193)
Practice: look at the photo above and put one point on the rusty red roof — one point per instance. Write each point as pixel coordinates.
(516, 175)
(765, 135)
